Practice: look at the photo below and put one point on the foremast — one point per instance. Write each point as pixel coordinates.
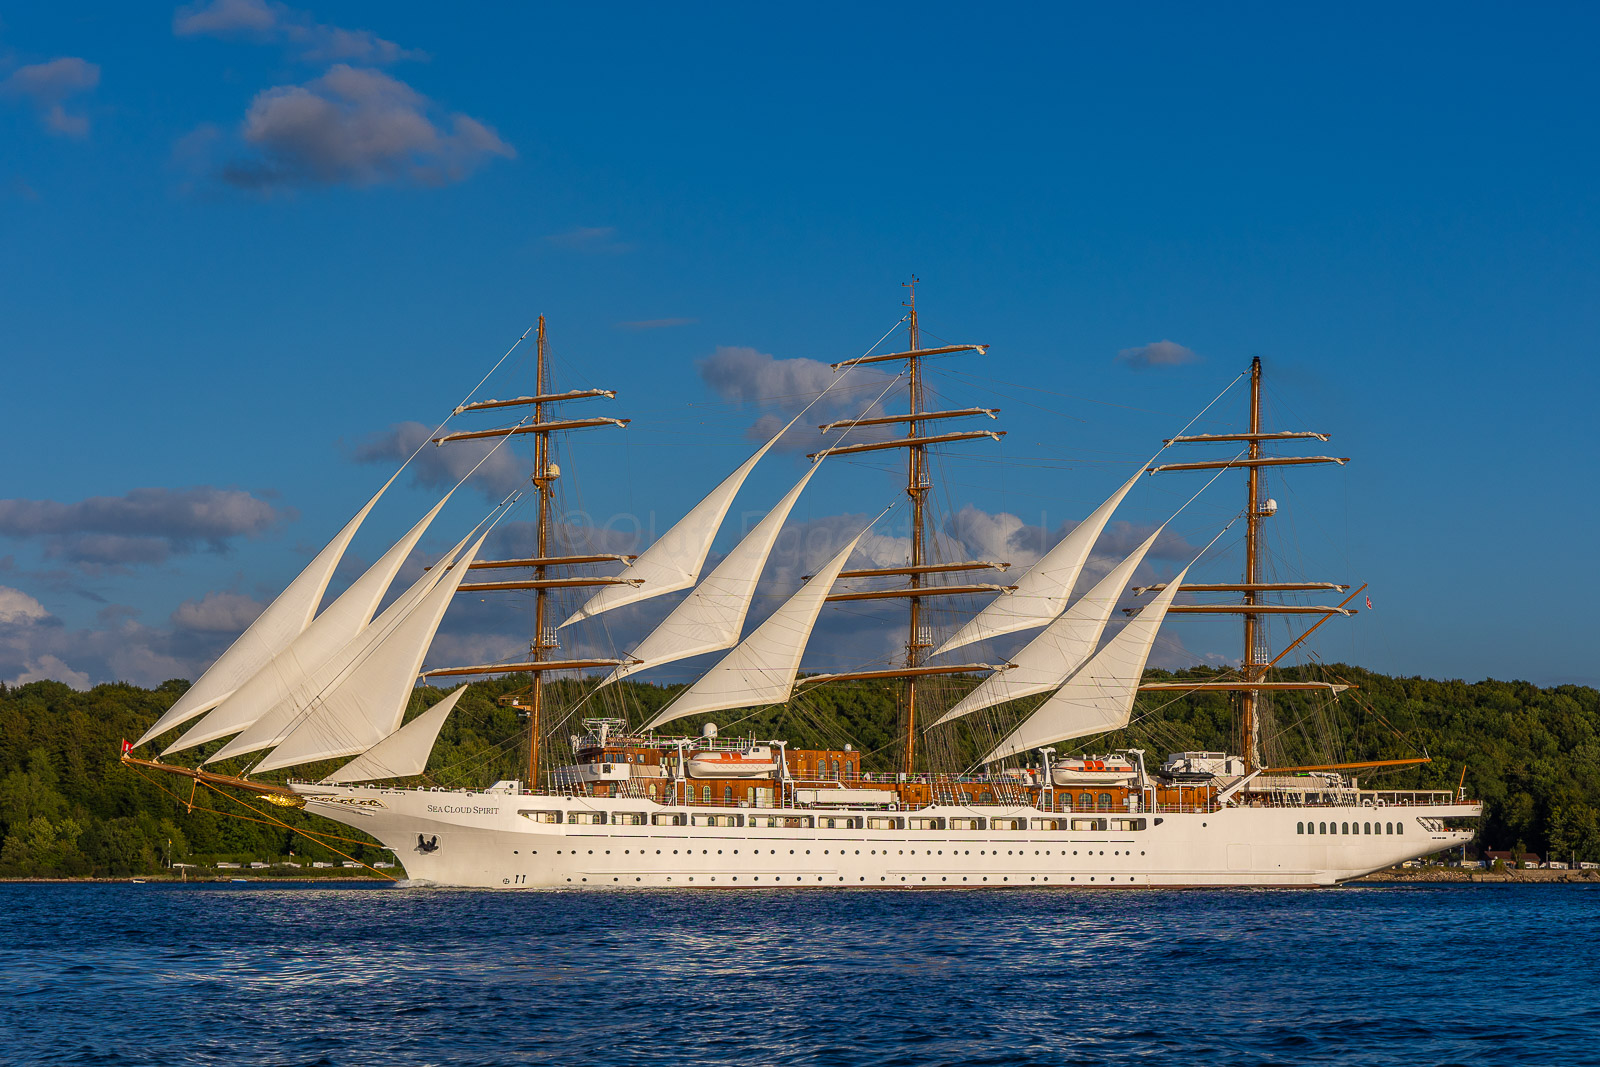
(545, 474)
(916, 442)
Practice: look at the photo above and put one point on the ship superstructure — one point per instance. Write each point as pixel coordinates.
(628, 799)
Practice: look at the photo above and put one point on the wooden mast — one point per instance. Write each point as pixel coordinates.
(917, 489)
(1256, 662)
(917, 570)
(1250, 727)
(545, 473)
(541, 480)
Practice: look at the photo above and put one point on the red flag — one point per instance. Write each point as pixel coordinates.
(1369, 603)
(126, 747)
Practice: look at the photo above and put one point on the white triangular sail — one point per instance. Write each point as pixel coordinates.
(369, 701)
(1041, 594)
(404, 752)
(1049, 659)
(761, 669)
(282, 621)
(1100, 696)
(712, 616)
(276, 723)
(330, 631)
(674, 561)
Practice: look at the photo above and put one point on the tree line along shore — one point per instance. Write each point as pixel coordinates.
(69, 809)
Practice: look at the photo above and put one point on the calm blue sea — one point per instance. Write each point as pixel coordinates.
(284, 975)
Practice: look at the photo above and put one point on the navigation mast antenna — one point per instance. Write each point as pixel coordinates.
(1249, 722)
(917, 490)
(541, 479)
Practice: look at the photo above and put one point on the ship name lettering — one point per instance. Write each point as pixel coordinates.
(453, 809)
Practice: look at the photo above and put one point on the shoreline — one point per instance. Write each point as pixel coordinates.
(1538, 876)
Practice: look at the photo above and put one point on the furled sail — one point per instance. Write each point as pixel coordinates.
(1049, 659)
(368, 702)
(330, 631)
(404, 752)
(1100, 696)
(1041, 594)
(282, 621)
(674, 561)
(712, 616)
(761, 668)
(278, 721)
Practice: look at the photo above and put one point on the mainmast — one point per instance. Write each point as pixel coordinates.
(545, 474)
(1249, 670)
(916, 589)
(1257, 656)
(917, 490)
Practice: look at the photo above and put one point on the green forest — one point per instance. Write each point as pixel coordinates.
(69, 808)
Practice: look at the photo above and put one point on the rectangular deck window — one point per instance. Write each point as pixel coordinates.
(587, 818)
(927, 824)
(782, 822)
(839, 822)
(675, 818)
(628, 818)
(1008, 824)
(1127, 824)
(541, 816)
(1088, 824)
(1047, 824)
(966, 824)
(885, 822)
(717, 820)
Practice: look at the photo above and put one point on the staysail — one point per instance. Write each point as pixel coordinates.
(1049, 659)
(330, 631)
(368, 702)
(282, 621)
(761, 668)
(278, 721)
(1041, 594)
(674, 561)
(1100, 696)
(404, 752)
(712, 616)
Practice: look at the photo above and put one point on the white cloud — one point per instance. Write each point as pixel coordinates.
(358, 127)
(1157, 354)
(48, 668)
(597, 240)
(18, 607)
(143, 526)
(442, 466)
(49, 85)
(747, 376)
(268, 22)
(216, 612)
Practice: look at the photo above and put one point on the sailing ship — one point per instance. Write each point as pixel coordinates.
(633, 801)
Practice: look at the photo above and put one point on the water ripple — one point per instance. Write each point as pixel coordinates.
(357, 976)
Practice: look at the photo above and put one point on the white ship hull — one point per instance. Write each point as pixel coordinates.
(484, 840)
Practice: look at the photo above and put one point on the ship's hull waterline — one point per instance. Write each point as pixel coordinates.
(499, 841)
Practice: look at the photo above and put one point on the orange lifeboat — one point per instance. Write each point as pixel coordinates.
(754, 762)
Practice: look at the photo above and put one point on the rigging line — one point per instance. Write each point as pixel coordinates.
(466, 399)
(297, 830)
(190, 806)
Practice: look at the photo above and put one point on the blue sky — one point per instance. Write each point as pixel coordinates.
(244, 241)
